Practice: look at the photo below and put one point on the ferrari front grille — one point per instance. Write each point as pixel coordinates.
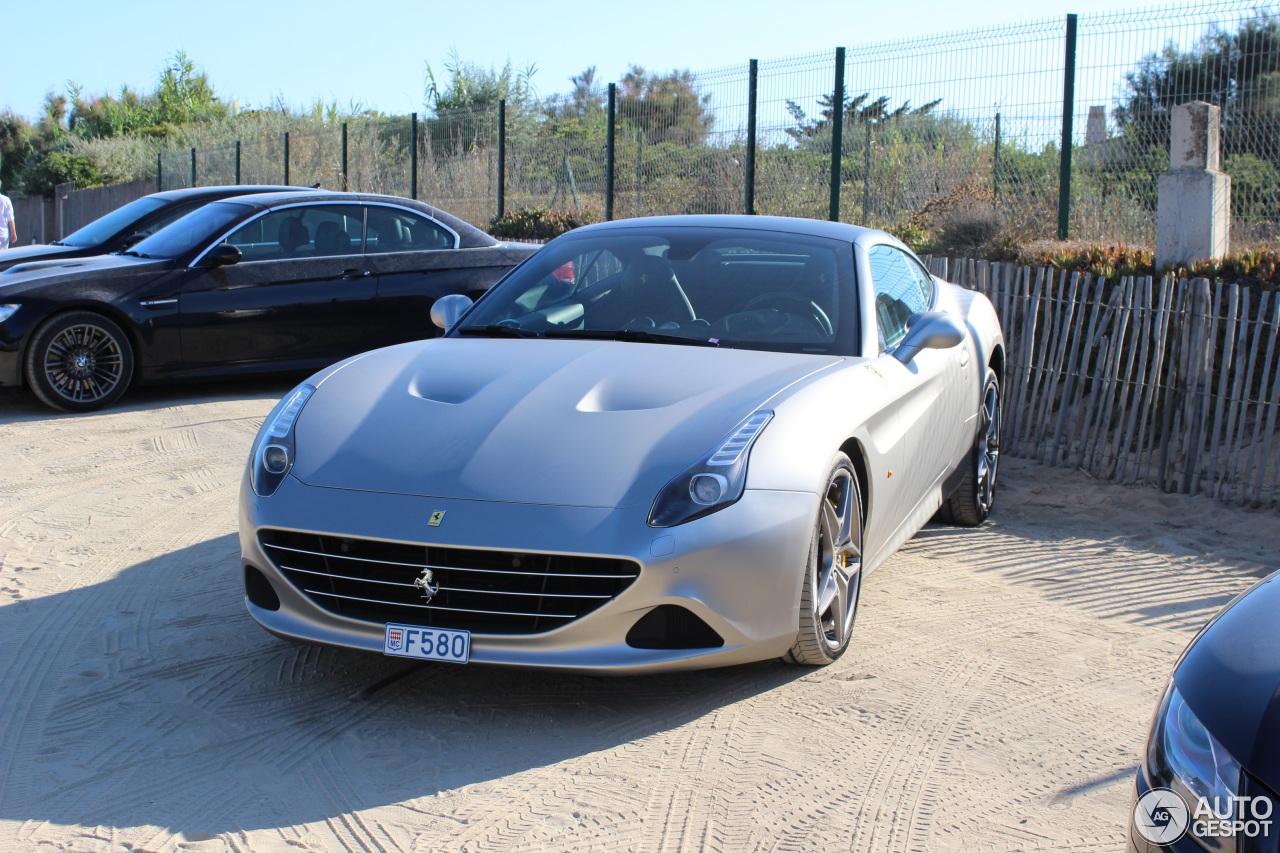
(486, 592)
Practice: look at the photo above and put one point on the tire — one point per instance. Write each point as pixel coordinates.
(79, 361)
(833, 572)
(970, 504)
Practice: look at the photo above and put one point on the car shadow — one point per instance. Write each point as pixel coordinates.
(153, 699)
(19, 405)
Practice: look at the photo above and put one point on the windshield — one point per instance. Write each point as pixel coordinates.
(191, 231)
(117, 221)
(729, 287)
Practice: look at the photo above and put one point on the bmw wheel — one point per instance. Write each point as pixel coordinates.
(79, 361)
(833, 576)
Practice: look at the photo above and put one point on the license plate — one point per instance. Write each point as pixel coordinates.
(414, 641)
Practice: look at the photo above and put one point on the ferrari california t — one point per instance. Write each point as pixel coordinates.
(657, 444)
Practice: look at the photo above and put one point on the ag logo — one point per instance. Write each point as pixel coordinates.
(436, 518)
(1161, 816)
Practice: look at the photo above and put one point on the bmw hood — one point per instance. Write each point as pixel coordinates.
(37, 252)
(561, 422)
(99, 268)
(1230, 678)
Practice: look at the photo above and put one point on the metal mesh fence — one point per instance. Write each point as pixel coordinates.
(944, 139)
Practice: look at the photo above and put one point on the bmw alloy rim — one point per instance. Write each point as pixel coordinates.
(84, 363)
(839, 560)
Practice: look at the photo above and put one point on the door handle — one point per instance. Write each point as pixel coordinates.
(355, 273)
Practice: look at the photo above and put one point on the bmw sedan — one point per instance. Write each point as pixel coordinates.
(127, 225)
(268, 283)
(658, 444)
(1210, 778)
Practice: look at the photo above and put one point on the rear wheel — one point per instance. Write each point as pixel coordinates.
(833, 576)
(79, 361)
(971, 502)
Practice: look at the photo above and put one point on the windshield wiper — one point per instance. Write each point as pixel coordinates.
(58, 243)
(131, 253)
(498, 330)
(633, 336)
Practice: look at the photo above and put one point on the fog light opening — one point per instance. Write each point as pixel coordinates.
(259, 590)
(669, 626)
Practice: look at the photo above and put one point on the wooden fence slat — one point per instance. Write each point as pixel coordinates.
(1218, 424)
(1098, 380)
(1100, 448)
(1035, 358)
(1126, 452)
(1158, 399)
(1266, 405)
(1073, 368)
(1237, 405)
(1065, 312)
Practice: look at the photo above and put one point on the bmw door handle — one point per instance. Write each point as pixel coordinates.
(355, 273)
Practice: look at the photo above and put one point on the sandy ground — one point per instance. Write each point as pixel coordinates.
(997, 696)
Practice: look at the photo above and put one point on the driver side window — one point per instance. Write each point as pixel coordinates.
(898, 292)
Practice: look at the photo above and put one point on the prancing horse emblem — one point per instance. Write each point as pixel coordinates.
(426, 583)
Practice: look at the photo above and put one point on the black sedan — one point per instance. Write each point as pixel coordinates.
(1211, 773)
(125, 226)
(270, 283)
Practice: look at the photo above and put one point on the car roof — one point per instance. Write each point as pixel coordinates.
(785, 224)
(469, 235)
(223, 191)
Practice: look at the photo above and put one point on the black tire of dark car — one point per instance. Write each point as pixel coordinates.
(79, 361)
(833, 573)
(970, 504)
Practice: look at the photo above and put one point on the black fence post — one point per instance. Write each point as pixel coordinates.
(1068, 105)
(413, 156)
(237, 162)
(193, 167)
(995, 168)
(609, 154)
(502, 157)
(750, 177)
(837, 136)
(286, 158)
(159, 171)
(345, 184)
(866, 176)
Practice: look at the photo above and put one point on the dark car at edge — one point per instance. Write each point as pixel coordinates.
(128, 224)
(1211, 771)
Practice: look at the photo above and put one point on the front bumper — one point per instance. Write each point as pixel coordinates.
(740, 570)
(1138, 844)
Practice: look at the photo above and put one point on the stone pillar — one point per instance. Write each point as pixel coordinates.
(1193, 213)
(1096, 130)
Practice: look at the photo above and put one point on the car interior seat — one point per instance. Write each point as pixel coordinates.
(331, 239)
(293, 236)
(647, 288)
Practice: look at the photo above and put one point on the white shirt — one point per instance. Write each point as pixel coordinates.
(6, 216)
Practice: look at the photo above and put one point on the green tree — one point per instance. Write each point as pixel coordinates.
(664, 107)
(1237, 71)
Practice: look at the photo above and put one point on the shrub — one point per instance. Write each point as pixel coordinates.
(535, 224)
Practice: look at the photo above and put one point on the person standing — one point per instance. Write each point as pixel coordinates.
(8, 228)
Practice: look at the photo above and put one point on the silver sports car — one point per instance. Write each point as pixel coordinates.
(657, 444)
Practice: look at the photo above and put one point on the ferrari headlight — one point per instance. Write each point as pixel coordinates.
(7, 311)
(714, 482)
(273, 452)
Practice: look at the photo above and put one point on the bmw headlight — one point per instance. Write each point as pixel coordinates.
(714, 482)
(7, 311)
(1183, 756)
(273, 452)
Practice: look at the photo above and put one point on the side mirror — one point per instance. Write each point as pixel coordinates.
(928, 330)
(221, 255)
(132, 240)
(448, 310)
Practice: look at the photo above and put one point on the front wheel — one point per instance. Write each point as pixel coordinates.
(833, 574)
(971, 502)
(79, 361)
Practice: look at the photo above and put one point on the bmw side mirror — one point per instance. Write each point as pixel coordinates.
(928, 330)
(221, 255)
(448, 310)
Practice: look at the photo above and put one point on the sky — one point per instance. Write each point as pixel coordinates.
(374, 55)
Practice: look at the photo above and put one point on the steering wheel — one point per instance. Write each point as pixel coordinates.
(809, 309)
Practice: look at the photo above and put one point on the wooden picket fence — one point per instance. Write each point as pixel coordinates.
(1169, 382)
